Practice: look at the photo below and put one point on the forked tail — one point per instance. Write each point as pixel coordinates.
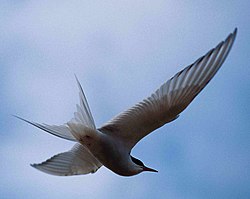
(82, 117)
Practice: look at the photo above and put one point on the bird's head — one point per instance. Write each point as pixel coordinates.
(140, 166)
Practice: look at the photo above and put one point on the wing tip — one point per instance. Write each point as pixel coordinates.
(235, 31)
(37, 166)
(40, 167)
(232, 36)
(34, 165)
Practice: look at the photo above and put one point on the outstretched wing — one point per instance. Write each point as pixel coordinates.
(77, 161)
(170, 99)
(82, 116)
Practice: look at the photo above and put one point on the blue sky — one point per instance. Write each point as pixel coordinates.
(121, 52)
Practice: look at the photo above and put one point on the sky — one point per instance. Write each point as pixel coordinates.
(121, 52)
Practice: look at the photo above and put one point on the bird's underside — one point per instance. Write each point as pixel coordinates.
(130, 126)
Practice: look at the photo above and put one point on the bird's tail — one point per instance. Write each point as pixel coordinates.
(81, 132)
(82, 118)
(83, 123)
(83, 114)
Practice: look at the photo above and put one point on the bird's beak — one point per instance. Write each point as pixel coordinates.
(149, 169)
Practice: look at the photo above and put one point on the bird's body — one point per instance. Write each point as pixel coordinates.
(111, 144)
(109, 150)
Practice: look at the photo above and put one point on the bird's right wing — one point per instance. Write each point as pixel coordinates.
(82, 116)
(170, 99)
(77, 161)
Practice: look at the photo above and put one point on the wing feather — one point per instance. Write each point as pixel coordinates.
(170, 99)
(77, 161)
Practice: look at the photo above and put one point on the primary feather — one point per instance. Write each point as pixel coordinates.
(170, 99)
(76, 161)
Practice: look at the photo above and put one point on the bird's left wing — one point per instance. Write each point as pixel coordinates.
(76, 161)
(170, 99)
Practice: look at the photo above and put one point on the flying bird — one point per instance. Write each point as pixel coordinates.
(111, 144)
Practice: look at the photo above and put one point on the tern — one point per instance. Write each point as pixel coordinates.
(111, 144)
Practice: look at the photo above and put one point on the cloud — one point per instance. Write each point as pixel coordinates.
(121, 52)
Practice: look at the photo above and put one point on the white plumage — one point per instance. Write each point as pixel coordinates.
(111, 144)
(74, 162)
